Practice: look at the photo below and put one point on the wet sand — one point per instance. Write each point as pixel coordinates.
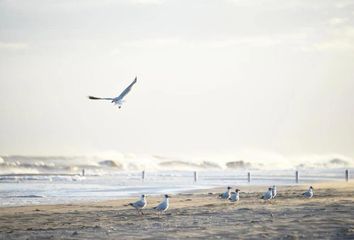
(329, 215)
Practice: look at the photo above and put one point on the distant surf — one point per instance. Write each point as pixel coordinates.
(106, 164)
(28, 180)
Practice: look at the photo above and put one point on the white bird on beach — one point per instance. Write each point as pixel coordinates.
(274, 191)
(267, 195)
(119, 99)
(235, 196)
(308, 193)
(140, 204)
(163, 206)
(227, 194)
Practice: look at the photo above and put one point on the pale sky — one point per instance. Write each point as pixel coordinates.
(214, 76)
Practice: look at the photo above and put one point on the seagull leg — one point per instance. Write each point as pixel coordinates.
(141, 213)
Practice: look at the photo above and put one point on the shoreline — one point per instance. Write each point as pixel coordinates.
(195, 215)
(203, 190)
(135, 191)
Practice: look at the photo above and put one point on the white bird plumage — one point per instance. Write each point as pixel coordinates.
(308, 193)
(140, 204)
(227, 194)
(164, 205)
(274, 191)
(235, 196)
(267, 195)
(119, 99)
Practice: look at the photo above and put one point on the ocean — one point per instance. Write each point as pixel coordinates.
(29, 180)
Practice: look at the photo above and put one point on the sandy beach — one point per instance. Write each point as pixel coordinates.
(329, 215)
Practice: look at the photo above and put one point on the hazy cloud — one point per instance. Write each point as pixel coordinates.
(338, 39)
(13, 46)
(146, 2)
(337, 21)
(261, 41)
(213, 75)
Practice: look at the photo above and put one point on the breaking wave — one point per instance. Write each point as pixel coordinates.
(19, 164)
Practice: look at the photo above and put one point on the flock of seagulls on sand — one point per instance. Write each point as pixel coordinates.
(232, 196)
(141, 204)
(270, 194)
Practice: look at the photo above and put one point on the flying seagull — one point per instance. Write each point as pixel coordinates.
(117, 100)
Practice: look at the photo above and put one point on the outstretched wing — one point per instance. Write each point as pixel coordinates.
(98, 98)
(127, 90)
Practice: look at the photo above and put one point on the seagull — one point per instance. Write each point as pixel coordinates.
(235, 196)
(274, 191)
(226, 195)
(308, 193)
(119, 99)
(140, 204)
(163, 206)
(267, 195)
